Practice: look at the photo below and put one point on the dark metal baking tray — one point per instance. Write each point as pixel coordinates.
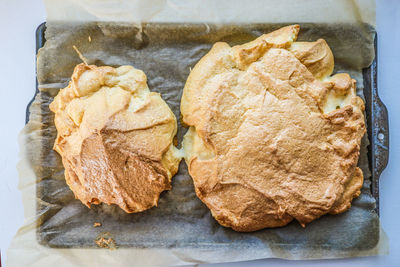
(376, 116)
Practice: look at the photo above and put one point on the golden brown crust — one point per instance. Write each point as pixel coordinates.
(271, 137)
(114, 137)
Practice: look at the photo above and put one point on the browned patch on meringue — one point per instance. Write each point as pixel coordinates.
(115, 138)
(272, 138)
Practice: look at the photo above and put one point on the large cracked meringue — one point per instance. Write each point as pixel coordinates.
(115, 138)
(273, 137)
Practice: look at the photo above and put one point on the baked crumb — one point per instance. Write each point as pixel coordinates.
(90, 39)
(96, 224)
(105, 241)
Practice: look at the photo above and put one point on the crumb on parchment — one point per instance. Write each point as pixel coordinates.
(90, 39)
(96, 224)
(105, 240)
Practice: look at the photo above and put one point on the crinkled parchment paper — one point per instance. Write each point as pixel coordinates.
(59, 230)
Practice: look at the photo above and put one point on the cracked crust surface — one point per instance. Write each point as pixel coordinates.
(115, 137)
(273, 137)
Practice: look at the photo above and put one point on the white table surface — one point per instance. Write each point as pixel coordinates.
(18, 22)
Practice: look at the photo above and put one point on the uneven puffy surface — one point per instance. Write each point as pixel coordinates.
(273, 137)
(115, 137)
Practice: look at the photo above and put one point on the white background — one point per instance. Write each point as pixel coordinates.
(18, 22)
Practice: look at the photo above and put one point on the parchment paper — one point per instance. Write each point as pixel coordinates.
(59, 229)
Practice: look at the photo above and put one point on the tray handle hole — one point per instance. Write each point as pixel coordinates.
(381, 136)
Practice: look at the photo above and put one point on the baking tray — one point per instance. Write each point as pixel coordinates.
(378, 134)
